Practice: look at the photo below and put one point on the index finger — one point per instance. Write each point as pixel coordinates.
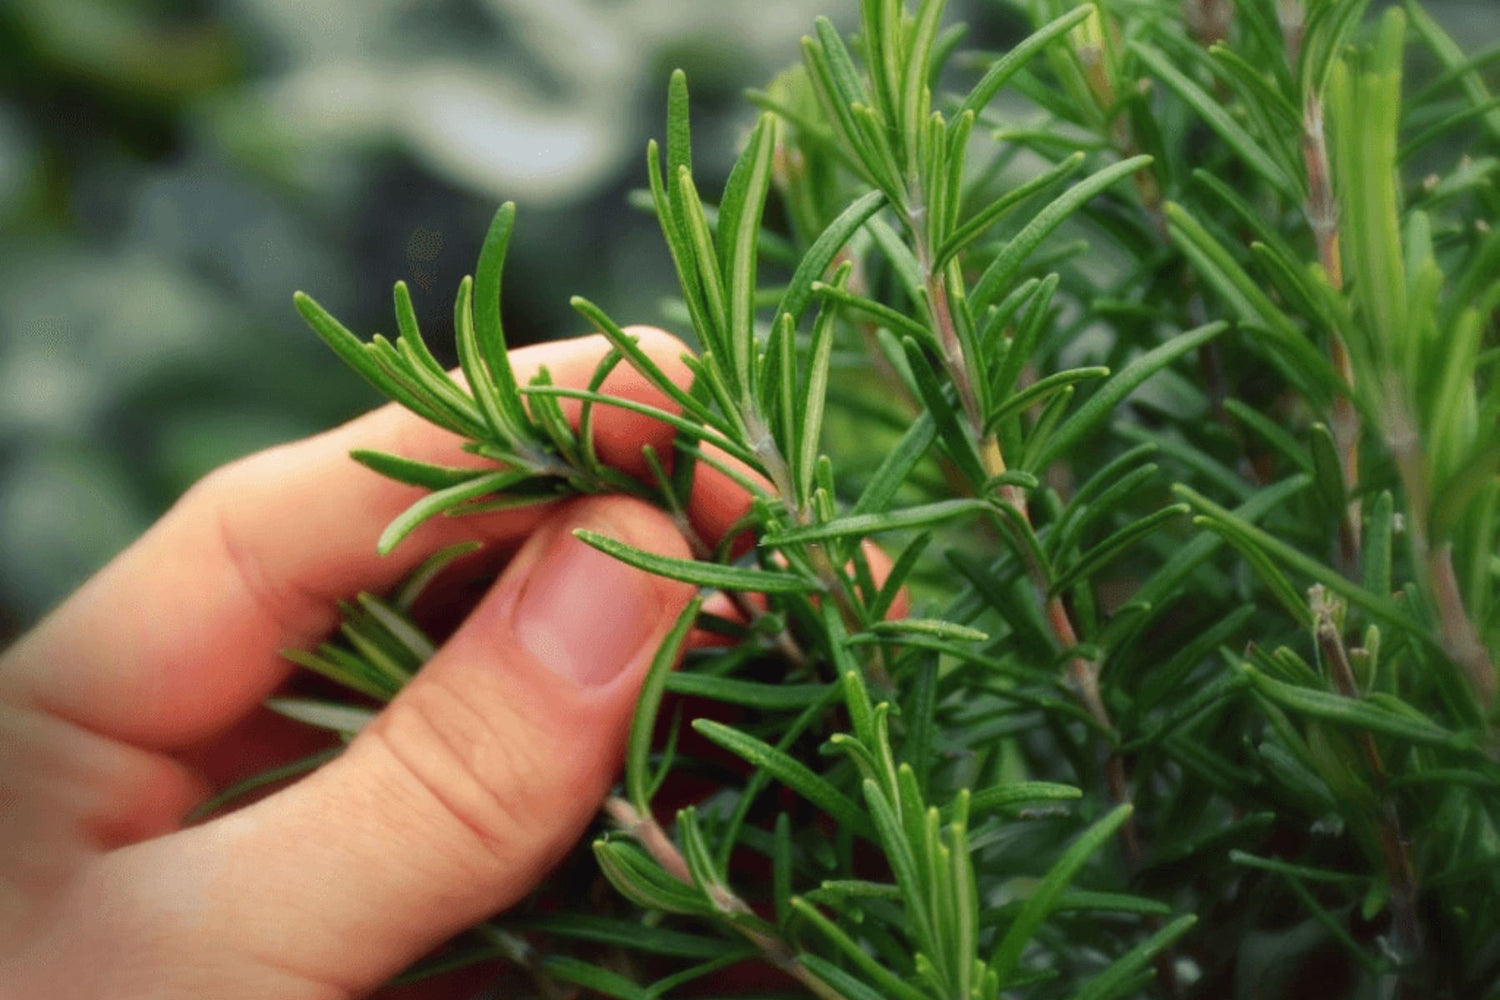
(179, 635)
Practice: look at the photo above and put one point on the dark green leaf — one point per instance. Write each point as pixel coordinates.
(995, 797)
(815, 262)
(359, 357)
(861, 525)
(787, 770)
(604, 982)
(679, 140)
(412, 472)
(345, 719)
(263, 779)
(934, 627)
(840, 983)
(997, 209)
(894, 320)
(1002, 270)
(1219, 119)
(629, 346)
(445, 500)
(891, 986)
(1022, 345)
(1119, 978)
(643, 881)
(1007, 66)
(697, 430)
(1102, 403)
(1008, 952)
(643, 724)
(1101, 555)
(702, 574)
(1379, 606)
(1355, 712)
(752, 694)
(1038, 391)
(487, 326)
(897, 466)
(949, 424)
(739, 225)
(634, 934)
(815, 393)
(1376, 555)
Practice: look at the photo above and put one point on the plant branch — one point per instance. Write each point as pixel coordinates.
(783, 639)
(1084, 673)
(786, 644)
(649, 834)
(942, 317)
(834, 583)
(1404, 920)
(891, 379)
(1322, 211)
(1460, 636)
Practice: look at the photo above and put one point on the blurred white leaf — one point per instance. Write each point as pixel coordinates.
(69, 347)
(553, 126)
(495, 138)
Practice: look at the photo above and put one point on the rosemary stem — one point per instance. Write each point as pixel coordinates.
(649, 834)
(1460, 636)
(1084, 673)
(1404, 920)
(1322, 211)
(834, 584)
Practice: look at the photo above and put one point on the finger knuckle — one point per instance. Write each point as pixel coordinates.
(220, 486)
(477, 770)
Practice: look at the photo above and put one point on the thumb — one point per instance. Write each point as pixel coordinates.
(460, 796)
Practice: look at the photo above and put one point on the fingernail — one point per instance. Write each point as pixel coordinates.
(583, 614)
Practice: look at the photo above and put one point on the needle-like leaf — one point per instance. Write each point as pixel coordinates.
(703, 574)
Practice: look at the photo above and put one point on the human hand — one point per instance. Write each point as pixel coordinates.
(450, 806)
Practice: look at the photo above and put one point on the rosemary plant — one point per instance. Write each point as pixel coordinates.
(1158, 351)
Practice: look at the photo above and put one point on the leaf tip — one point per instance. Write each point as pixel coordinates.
(389, 539)
(306, 304)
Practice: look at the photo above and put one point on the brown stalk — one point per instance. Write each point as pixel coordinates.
(1322, 211)
(1393, 845)
(1460, 638)
(1208, 20)
(783, 640)
(1084, 673)
(521, 954)
(833, 582)
(891, 379)
(649, 834)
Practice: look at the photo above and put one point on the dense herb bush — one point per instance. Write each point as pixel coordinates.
(1157, 351)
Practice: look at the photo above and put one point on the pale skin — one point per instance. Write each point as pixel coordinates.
(118, 711)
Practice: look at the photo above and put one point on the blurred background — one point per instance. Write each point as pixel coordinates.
(172, 170)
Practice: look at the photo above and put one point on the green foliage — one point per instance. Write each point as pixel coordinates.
(1111, 744)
